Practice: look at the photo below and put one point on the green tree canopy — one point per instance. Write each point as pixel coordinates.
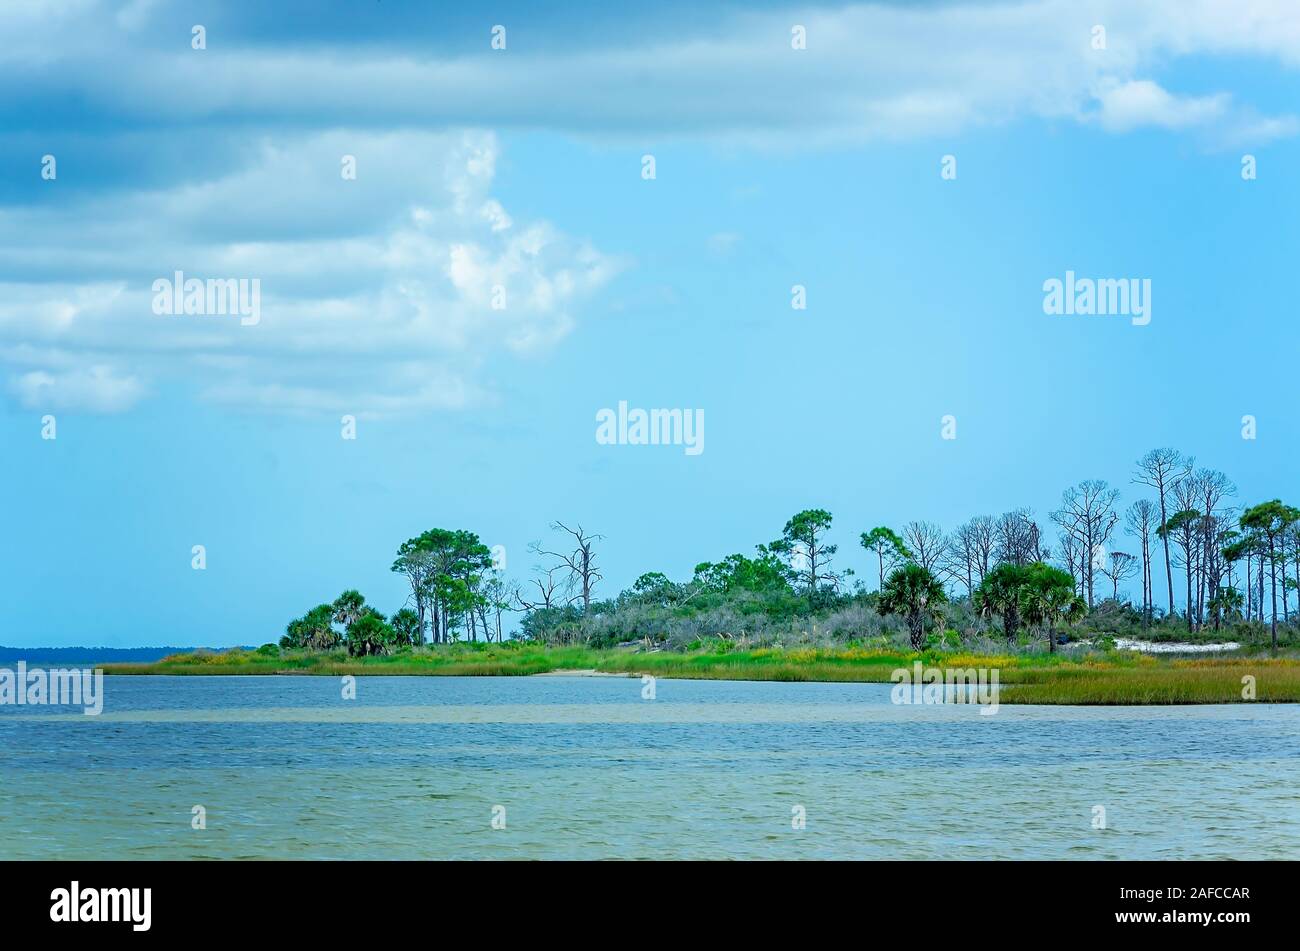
(888, 548)
(348, 607)
(406, 625)
(767, 572)
(1048, 599)
(1271, 520)
(314, 631)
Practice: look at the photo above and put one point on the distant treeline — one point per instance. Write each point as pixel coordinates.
(81, 656)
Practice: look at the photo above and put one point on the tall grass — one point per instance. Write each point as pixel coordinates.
(1222, 680)
(1089, 678)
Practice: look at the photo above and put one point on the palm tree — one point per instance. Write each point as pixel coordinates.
(348, 607)
(370, 634)
(295, 633)
(314, 631)
(1048, 598)
(999, 593)
(406, 625)
(1226, 602)
(916, 595)
(1232, 548)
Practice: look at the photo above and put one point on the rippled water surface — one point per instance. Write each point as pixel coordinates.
(585, 768)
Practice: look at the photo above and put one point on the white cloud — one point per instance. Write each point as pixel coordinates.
(135, 14)
(376, 294)
(1138, 103)
(1251, 131)
(870, 72)
(95, 388)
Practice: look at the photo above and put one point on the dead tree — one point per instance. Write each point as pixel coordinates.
(580, 562)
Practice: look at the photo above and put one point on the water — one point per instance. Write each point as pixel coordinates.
(585, 768)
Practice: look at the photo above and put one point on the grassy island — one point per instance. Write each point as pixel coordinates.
(996, 593)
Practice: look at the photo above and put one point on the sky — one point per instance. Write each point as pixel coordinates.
(501, 268)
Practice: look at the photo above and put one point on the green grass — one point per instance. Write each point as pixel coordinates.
(1166, 682)
(1113, 678)
(453, 660)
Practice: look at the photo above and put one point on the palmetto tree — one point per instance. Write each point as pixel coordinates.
(999, 593)
(1048, 598)
(348, 607)
(1245, 547)
(1227, 601)
(916, 595)
(315, 630)
(370, 634)
(406, 626)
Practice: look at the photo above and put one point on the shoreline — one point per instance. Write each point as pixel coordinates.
(1113, 678)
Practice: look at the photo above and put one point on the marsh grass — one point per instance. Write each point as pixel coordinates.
(1095, 678)
(453, 661)
(1167, 682)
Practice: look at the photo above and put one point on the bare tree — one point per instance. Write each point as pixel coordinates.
(580, 562)
(963, 559)
(1071, 554)
(972, 551)
(552, 592)
(1162, 469)
(982, 532)
(1141, 520)
(1017, 539)
(1087, 513)
(929, 546)
(1119, 569)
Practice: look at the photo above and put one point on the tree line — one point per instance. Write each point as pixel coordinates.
(1189, 523)
(1235, 563)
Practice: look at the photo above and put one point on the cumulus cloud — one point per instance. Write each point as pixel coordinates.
(376, 295)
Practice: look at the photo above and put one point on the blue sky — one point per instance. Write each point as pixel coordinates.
(522, 167)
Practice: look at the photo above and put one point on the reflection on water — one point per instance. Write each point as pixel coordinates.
(586, 769)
